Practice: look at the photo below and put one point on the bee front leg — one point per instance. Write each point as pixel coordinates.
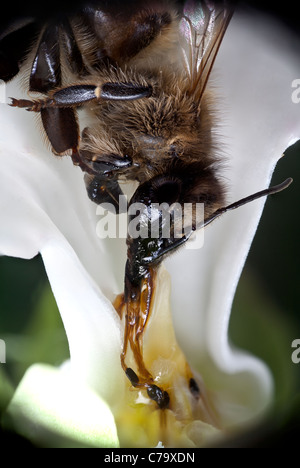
(101, 177)
(104, 190)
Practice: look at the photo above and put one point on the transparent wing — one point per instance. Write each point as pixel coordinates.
(202, 29)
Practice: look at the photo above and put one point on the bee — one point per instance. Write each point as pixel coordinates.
(141, 72)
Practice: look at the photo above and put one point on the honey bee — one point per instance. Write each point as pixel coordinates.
(141, 71)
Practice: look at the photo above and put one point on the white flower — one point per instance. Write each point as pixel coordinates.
(44, 208)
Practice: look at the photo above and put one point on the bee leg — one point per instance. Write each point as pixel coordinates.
(60, 124)
(14, 45)
(105, 165)
(58, 117)
(62, 128)
(104, 190)
(71, 96)
(76, 95)
(46, 71)
(101, 178)
(124, 91)
(71, 49)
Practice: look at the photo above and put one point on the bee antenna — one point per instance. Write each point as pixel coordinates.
(250, 198)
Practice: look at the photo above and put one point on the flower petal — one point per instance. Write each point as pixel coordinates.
(44, 208)
(50, 408)
(91, 323)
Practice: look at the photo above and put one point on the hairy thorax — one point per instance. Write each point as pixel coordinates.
(153, 132)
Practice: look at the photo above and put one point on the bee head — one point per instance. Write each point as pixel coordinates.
(184, 184)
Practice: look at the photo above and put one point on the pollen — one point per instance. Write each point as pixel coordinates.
(97, 92)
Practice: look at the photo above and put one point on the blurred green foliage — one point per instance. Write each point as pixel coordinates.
(30, 323)
(266, 311)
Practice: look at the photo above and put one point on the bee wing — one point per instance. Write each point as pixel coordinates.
(202, 29)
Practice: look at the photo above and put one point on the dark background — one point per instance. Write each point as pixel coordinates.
(267, 299)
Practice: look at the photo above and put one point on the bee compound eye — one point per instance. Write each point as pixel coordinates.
(166, 190)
